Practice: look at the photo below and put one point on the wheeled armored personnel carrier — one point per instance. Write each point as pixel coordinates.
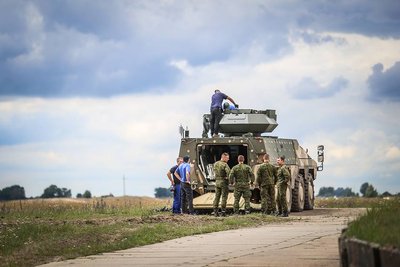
(245, 132)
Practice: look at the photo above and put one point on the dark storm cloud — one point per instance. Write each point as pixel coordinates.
(372, 18)
(385, 85)
(308, 88)
(103, 48)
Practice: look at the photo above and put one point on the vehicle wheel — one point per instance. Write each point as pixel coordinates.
(298, 194)
(309, 193)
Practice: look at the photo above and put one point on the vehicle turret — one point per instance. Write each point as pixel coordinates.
(248, 121)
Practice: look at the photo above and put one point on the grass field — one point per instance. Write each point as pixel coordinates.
(43, 230)
(381, 224)
(39, 231)
(348, 202)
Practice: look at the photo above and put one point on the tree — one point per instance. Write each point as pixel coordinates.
(370, 191)
(87, 194)
(12, 193)
(363, 188)
(386, 194)
(53, 191)
(344, 192)
(326, 192)
(161, 192)
(79, 195)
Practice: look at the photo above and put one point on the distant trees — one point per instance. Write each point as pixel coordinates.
(368, 190)
(12, 193)
(161, 192)
(326, 192)
(53, 191)
(86, 194)
(363, 188)
(339, 192)
(371, 191)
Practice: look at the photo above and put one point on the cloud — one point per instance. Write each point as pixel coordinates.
(308, 88)
(91, 91)
(385, 85)
(86, 48)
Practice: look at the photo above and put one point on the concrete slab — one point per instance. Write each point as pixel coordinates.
(307, 241)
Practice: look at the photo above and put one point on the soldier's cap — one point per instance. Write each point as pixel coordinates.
(217, 90)
(186, 158)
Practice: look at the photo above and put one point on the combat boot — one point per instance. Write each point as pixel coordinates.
(223, 213)
(216, 212)
(285, 214)
(247, 212)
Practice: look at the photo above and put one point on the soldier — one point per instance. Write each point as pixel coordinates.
(241, 176)
(266, 177)
(221, 171)
(283, 176)
(176, 185)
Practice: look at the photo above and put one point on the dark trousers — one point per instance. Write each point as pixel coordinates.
(186, 198)
(176, 206)
(216, 116)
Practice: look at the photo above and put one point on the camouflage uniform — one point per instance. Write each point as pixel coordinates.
(283, 176)
(266, 177)
(241, 175)
(221, 171)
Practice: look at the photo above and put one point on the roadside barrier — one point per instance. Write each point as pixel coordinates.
(354, 252)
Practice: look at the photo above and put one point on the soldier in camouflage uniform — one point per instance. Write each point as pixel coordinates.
(221, 171)
(283, 176)
(241, 176)
(266, 177)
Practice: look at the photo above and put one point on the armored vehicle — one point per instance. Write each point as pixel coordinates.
(245, 132)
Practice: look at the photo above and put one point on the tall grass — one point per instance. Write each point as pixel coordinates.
(381, 224)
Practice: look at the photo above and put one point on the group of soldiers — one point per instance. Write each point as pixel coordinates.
(241, 177)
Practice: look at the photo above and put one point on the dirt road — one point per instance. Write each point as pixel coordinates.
(306, 239)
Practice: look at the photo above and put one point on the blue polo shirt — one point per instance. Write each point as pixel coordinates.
(182, 169)
(216, 100)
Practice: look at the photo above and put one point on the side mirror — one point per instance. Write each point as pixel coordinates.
(320, 154)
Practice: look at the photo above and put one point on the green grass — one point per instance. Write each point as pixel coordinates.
(348, 202)
(381, 224)
(46, 233)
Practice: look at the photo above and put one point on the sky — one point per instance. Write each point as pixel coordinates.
(94, 91)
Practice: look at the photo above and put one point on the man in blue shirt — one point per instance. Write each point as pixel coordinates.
(183, 174)
(176, 185)
(216, 110)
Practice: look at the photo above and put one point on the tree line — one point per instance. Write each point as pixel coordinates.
(16, 192)
(366, 190)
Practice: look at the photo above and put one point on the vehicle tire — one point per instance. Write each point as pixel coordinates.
(309, 193)
(298, 194)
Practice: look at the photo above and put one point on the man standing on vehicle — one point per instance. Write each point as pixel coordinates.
(266, 177)
(283, 177)
(183, 174)
(216, 110)
(241, 176)
(176, 186)
(221, 172)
